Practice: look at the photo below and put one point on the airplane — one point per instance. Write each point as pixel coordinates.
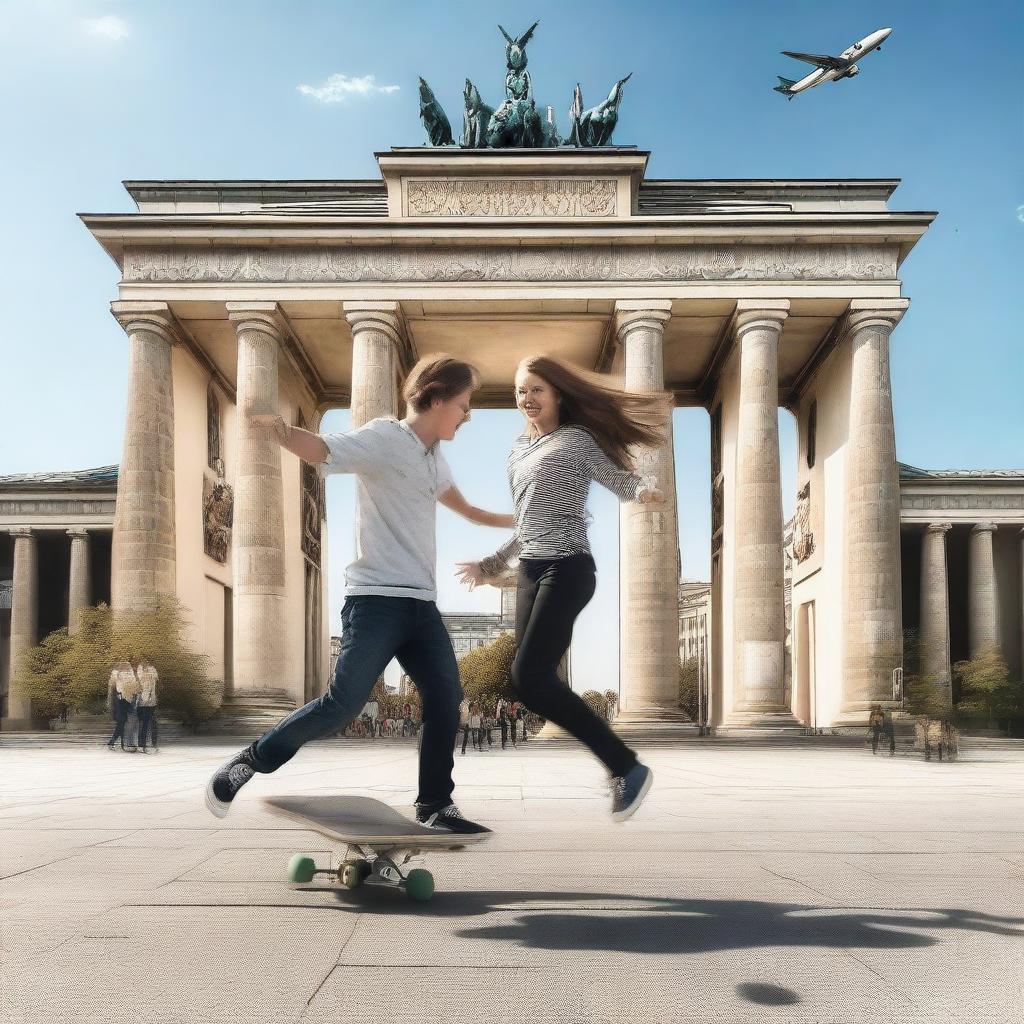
(831, 69)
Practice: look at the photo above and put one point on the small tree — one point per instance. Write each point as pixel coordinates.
(597, 702)
(927, 696)
(689, 686)
(986, 689)
(74, 671)
(484, 671)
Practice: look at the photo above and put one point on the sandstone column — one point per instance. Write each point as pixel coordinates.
(376, 343)
(872, 612)
(260, 641)
(648, 543)
(935, 655)
(982, 600)
(1021, 535)
(759, 614)
(143, 558)
(80, 584)
(24, 624)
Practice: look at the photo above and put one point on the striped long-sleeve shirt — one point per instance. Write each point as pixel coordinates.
(550, 478)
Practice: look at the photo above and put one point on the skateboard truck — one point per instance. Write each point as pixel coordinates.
(370, 866)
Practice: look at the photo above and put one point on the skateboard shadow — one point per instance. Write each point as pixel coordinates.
(592, 921)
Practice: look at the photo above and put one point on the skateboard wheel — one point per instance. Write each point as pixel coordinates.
(301, 869)
(419, 885)
(353, 873)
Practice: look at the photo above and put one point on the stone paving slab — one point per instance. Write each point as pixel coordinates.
(785, 884)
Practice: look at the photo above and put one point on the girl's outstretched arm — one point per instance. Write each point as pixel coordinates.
(626, 485)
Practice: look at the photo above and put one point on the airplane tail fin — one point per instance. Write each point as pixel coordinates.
(784, 87)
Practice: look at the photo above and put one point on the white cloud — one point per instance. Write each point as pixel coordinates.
(110, 26)
(1020, 214)
(339, 88)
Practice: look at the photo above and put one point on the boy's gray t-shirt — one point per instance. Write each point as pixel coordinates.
(398, 482)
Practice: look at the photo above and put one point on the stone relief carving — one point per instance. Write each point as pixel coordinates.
(218, 506)
(803, 538)
(213, 450)
(603, 262)
(313, 505)
(511, 197)
(717, 513)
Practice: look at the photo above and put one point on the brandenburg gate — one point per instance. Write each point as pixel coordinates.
(738, 296)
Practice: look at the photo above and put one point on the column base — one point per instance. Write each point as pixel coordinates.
(21, 725)
(767, 722)
(856, 717)
(249, 714)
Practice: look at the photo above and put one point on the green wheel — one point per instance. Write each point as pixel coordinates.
(353, 873)
(301, 869)
(419, 885)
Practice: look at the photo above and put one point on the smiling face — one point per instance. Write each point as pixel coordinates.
(537, 400)
(452, 413)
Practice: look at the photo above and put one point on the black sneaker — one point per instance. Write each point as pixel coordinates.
(447, 818)
(629, 790)
(227, 780)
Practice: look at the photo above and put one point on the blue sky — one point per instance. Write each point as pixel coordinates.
(98, 92)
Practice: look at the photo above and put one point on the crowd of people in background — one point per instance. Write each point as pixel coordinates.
(478, 721)
(132, 698)
(391, 719)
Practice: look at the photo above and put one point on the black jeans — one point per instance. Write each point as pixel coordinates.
(375, 630)
(147, 722)
(550, 595)
(122, 708)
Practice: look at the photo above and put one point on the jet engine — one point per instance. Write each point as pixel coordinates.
(850, 71)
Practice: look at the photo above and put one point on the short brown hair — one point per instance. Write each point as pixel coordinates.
(438, 376)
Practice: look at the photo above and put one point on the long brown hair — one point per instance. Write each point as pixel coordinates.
(438, 376)
(616, 418)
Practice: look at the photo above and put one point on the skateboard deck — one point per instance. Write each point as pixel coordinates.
(374, 835)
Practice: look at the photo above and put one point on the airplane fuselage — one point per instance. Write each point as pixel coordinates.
(851, 54)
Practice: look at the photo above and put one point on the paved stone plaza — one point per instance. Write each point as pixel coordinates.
(796, 882)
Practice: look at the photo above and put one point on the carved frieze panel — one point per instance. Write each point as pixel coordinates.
(57, 508)
(1012, 502)
(511, 197)
(498, 263)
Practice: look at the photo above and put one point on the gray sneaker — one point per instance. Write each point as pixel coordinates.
(227, 780)
(629, 790)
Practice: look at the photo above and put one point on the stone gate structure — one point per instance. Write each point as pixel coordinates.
(738, 296)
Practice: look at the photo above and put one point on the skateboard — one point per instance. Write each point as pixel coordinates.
(378, 842)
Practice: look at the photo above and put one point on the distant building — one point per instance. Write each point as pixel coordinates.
(470, 630)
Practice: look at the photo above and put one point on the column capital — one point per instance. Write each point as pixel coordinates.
(78, 531)
(154, 317)
(875, 313)
(21, 531)
(984, 528)
(634, 313)
(760, 313)
(256, 316)
(375, 316)
(938, 527)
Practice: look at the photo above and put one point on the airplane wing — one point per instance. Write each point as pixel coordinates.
(822, 60)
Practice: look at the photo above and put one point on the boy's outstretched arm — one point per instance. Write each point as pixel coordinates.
(308, 446)
(454, 499)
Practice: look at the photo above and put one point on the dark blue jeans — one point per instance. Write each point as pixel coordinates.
(375, 630)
